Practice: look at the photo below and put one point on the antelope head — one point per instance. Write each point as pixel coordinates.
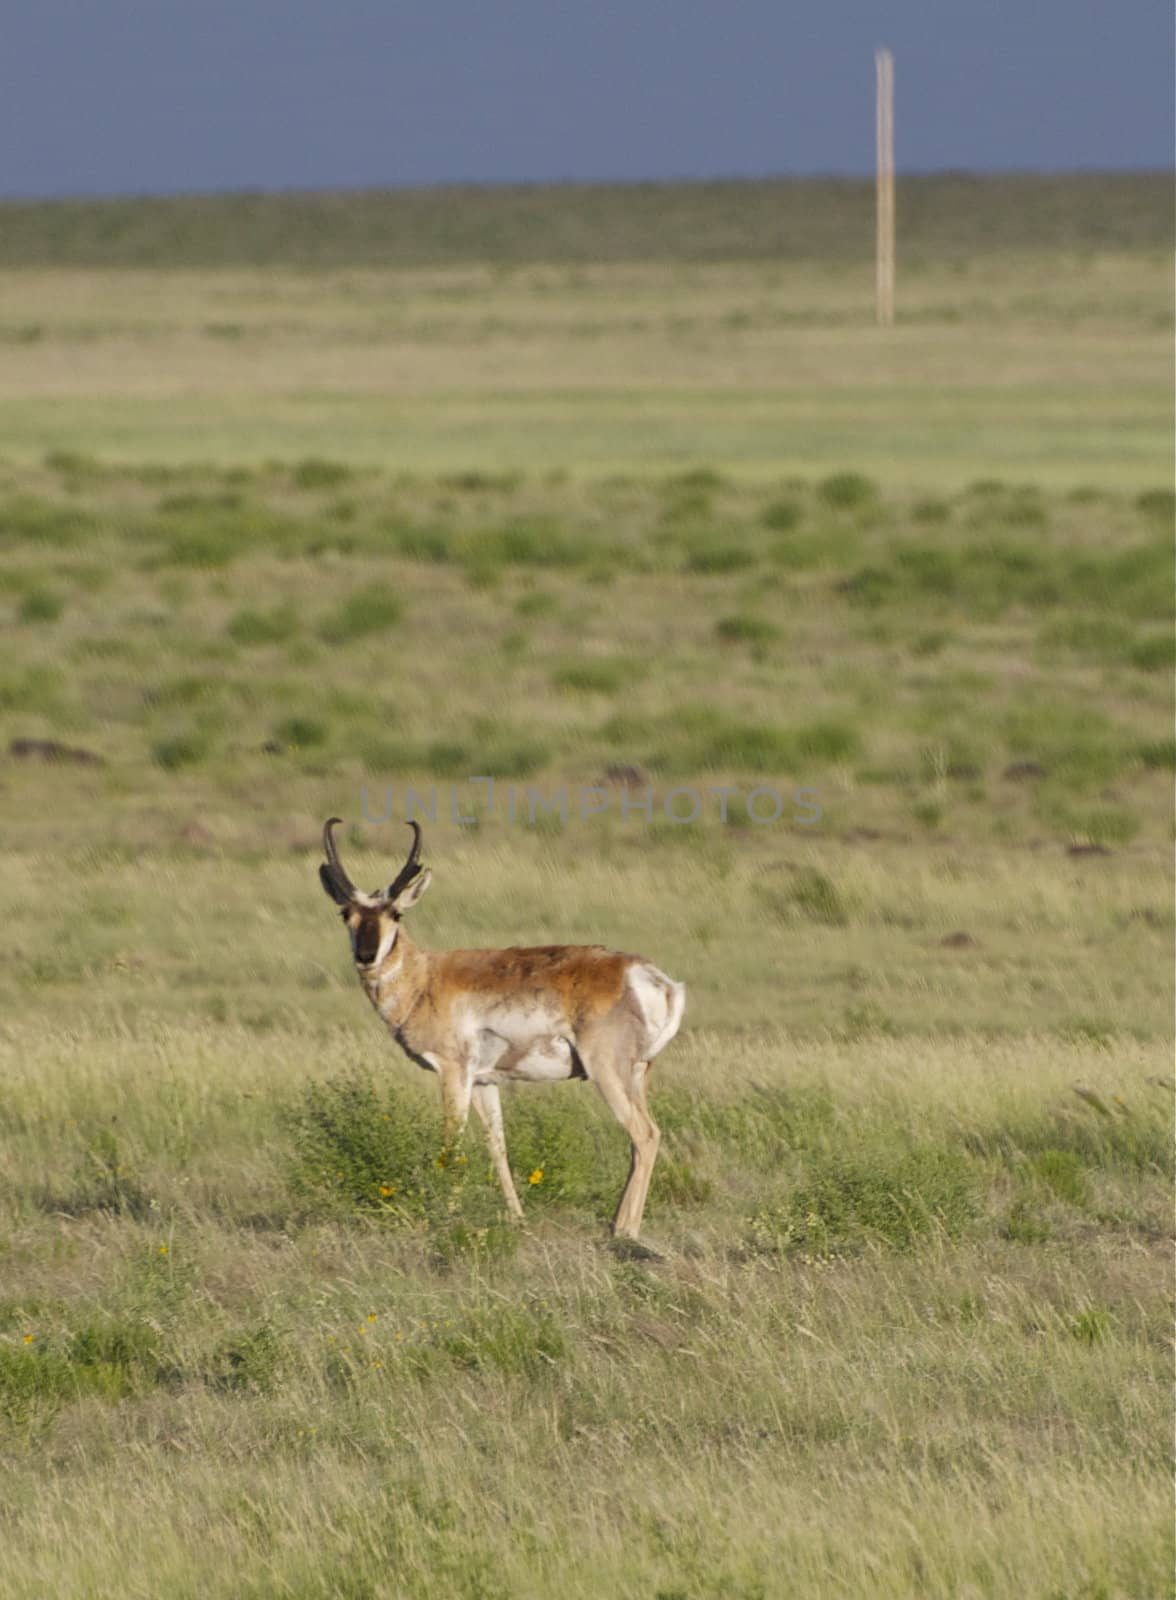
(373, 919)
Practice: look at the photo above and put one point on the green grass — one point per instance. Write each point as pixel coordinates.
(726, 329)
(690, 527)
(922, 1290)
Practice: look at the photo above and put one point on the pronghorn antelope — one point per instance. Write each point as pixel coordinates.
(479, 1018)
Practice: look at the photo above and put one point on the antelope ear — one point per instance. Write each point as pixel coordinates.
(335, 889)
(411, 893)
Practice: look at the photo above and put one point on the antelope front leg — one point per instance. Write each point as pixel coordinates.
(488, 1105)
(456, 1088)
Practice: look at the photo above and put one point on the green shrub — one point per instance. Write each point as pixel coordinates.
(596, 677)
(530, 543)
(420, 543)
(882, 1197)
(818, 899)
(831, 547)
(371, 610)
(190, 689)
(1092, 1325)
(1154, 654)
(26, 520)
(358, 1147)
(927, 569)
(1025, 511)
(931, 511)
(509, 756)
(744, 747)
(1138, 582)
(73, 464)
(447, 759)
(698, 479)
(314, 473)
(179, 750)
(744, 629)
(108, 1359)
(302, 733)
(782, 516)
(870, 586)
(276, 626)
(930, 643)
(536, 604)
(1077, 746)
(1158, 503)
(828, 741)
(1134, 1136)
(714, 555)
(1063, 1173)
(248, 1362)
(40, 605)
(846, 491)
(201, 548)
(759, 1128)
(1159, 753)
(195, 501)
(31, 689)
(575, 1159)
(1104, 825)
(1100, 638)
(521, 1341)
(479, 481)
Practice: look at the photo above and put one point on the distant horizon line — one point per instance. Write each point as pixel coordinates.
(259, 190)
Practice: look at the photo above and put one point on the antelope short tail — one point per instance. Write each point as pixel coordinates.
(662, 1002)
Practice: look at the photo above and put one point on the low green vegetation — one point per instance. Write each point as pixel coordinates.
(952, 216)
(990, 681)
(829, 667)
(913, 1198)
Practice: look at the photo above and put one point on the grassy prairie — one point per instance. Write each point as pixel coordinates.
(910, 1332)
(1051, 367)
(297, 517)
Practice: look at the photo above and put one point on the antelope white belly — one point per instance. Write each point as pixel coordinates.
(545, 1059)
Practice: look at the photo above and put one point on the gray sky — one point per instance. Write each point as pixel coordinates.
(155, 96)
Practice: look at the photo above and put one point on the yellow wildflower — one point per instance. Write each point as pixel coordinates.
(536, 1176)
(163, 1249)
(29, 1337)
(387, 1188)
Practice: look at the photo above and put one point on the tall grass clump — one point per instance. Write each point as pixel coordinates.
(847, 1200)
(316, 473)
(595, 676)
(744, 628)
(847, 491)
(358, 1148)
(40, 605)
(782, 516)
(367, 611)
(25, 519)
(275, 626)
(713, 554)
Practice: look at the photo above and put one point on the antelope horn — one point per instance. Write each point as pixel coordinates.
(334, 869)
(410, 868)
